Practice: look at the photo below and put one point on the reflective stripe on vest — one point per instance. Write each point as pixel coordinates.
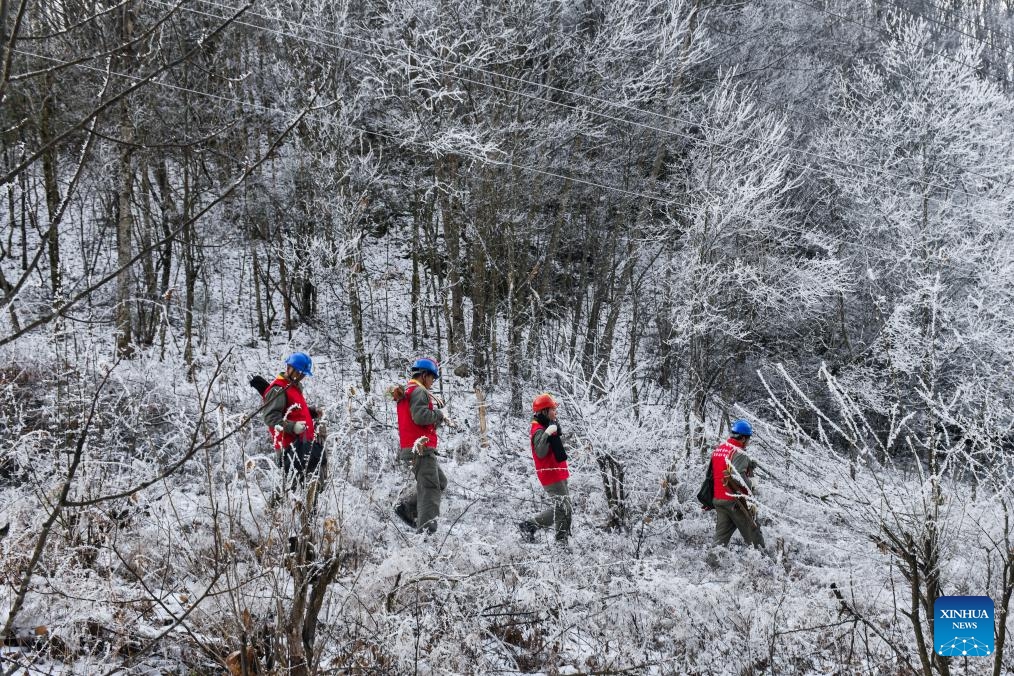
(408, 430)
(295, 410)
(548, 469)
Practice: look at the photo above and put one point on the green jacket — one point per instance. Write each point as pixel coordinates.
(744, 466)
(541, 443)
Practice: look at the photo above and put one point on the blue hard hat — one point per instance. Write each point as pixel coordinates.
(301, 362)
(742, 427)
(427, 365)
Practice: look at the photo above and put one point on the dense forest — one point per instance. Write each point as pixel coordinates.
(669, 213)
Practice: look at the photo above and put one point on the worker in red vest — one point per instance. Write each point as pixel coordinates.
(298, 448)
(732, 473)
(550, 468)
(419, 413)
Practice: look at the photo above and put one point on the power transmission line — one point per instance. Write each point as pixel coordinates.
(371, 132)
(486, 159)
(804, 167)
(955, 12)
(887, 33)
(580, 110)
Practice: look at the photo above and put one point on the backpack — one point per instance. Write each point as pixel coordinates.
(706, 495)
(259, 383)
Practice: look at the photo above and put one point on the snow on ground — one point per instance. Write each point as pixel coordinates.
(172, 578)
(473, 598)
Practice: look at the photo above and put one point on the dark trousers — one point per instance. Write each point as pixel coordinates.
(303, 460)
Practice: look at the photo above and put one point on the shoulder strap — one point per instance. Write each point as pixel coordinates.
(274, 386)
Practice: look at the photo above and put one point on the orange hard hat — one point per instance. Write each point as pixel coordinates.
(542, 401)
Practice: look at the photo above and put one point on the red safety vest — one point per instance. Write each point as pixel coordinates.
(719, 461)
(548, 469)
(295, 410)
(408, 430)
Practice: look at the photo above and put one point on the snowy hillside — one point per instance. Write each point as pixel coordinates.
(668, 214)
(177, 575)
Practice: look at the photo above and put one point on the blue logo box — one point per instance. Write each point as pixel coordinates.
(963, 626)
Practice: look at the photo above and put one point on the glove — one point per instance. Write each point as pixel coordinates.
(552, 429)
(419, 446)
(447, 418)
(298, 427)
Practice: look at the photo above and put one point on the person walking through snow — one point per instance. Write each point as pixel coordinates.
(551, 469)
(732, 473)
(299, 448)
(419, 413)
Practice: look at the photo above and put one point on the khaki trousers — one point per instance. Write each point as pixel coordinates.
(730, 517)
(559, 513)
(423, 503)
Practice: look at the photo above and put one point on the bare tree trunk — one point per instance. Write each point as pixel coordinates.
(579, 301)
(479, 332)
(7, 251)
(480, 399)
(416, 284)
(23, 179)
(1007, 590)
(261, 327)
(52, 190)
(4, 11)
(611, 472)
(7, 45)
(356, 267)
(125, 222)
(634, 337)
(422, 214)
(124, 228)
(170, 219)
(605, 278)
(283, 283)
(618, 302)
(514, 346)
(548, 256)
(190, 272)
(452, 239)
(147, 313)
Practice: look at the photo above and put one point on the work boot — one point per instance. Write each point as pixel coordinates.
(401, 511)
(528, 529)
